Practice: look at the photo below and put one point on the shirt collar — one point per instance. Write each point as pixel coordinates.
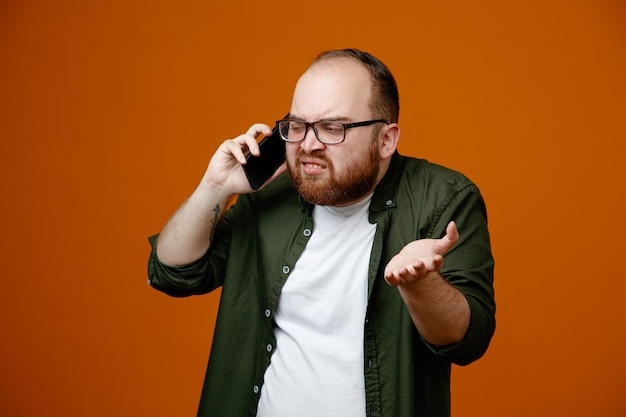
(385, 193)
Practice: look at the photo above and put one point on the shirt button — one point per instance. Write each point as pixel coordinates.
(268, 313)
(286, 269)
(269, 348)
(255, 389)
(306, 232)
(388, 202)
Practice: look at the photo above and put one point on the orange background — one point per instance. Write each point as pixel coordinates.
(110, 111)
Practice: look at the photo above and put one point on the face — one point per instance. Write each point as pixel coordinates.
(341, 174)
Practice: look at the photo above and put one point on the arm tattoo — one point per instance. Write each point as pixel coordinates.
(216, 210)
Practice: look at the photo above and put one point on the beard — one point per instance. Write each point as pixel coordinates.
(356, 181)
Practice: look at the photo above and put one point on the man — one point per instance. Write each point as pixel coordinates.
(336, 298)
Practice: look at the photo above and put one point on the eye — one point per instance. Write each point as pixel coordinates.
(296, 127)
(334, 129)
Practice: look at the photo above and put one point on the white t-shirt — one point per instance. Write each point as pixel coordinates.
(317, 366)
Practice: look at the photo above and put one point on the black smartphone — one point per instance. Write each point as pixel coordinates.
(260, 168)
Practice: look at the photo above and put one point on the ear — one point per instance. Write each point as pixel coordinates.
(389, 136)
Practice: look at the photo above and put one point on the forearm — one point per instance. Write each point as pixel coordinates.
(187, 235)
(439, 311)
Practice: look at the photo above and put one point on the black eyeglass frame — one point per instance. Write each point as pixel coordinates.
(308, 126)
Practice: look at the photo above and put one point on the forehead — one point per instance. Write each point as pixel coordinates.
(335, 88)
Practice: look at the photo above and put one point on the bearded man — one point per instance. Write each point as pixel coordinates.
(353, 279)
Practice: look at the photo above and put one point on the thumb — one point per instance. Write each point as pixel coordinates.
(449, 240)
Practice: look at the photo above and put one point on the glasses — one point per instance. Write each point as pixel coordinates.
(329, 133)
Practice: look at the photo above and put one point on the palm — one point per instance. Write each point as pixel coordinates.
(420, 257)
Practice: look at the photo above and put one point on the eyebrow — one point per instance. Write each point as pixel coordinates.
(328, 119)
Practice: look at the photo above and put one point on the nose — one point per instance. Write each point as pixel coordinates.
(310, 142)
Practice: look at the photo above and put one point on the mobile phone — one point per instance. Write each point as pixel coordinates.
(260, 168)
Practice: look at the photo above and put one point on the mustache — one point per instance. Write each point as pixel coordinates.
(316, 153)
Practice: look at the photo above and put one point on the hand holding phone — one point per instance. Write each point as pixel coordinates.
(260, 168)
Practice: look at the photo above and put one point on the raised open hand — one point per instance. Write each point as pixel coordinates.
(420, 257)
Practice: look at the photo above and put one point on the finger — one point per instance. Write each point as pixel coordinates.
(392, 277)
(405, 275)
(416, 270)
(446, 243)
(234, 147)
(451, 232)
(437, 263)
(252, 134)
(259, 128)
(421, 268)
(410, 273)
(392, 280)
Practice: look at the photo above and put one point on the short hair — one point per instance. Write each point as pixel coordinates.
(385, 102)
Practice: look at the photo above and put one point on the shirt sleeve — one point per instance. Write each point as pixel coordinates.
(469, 266)
(177, 281)
(198, 277)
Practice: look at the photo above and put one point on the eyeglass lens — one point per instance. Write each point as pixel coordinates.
(326, 132)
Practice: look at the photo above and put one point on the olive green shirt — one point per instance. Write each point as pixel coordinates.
(256, 246)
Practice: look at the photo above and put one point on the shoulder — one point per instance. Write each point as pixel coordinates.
(419, 183)
(421, 171)
(418, 178)
(435, 195)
